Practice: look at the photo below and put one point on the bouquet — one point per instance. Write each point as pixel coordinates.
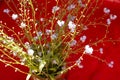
(48, 35)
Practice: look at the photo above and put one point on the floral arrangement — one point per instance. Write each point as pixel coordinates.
(47, 38)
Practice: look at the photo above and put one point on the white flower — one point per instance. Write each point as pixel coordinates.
(48, 31)
(30, 52)
(101, 50)
(63, 67)
(6, 11)
(73, 43)
(71, 26)
(88, 49)
(113, 17)
(70, 17)
(111, 64)
(72, 30)
(54, 62)
(70, 7)
(23, 25)
(41, 19)
(108, 21)
(106, 10)
(53, 36)
(14, 16)
(55, 8)
(27, 45)
(22, 63)
(60, 23)
(78, 63)
(39, 33)
(15, 53)
(36, 38)
(83, 38)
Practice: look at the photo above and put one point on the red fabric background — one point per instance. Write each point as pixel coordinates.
(93, 69)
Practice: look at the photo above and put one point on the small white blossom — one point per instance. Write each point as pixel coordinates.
(63, 67)
(78, 63)
(23, 25)
(71, 26)
(71, 17)
(101, 50)
(113, 17)
(6, 11)
(27, 45)
(22, 63)
(108, 21)
(111, 64)
(16, 69)
(7, 65)
(14, 16)
(70, 7)
(39, 33)
(60, 23)
(88, 49)
(54, 62)
(53, 36)
(55, 8)
(83, 38)
(106, 10)
(36, 38)
(72, 30)
(30, 52)
(73, 43)
(15, 53)
(41, 19)
(48, 31)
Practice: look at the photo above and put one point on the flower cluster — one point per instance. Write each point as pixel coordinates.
(47, 38)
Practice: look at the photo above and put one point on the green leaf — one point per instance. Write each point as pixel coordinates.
(52, 69)
(52, 77)
(41, 65)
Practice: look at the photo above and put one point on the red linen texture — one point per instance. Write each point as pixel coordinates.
(93, 69)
